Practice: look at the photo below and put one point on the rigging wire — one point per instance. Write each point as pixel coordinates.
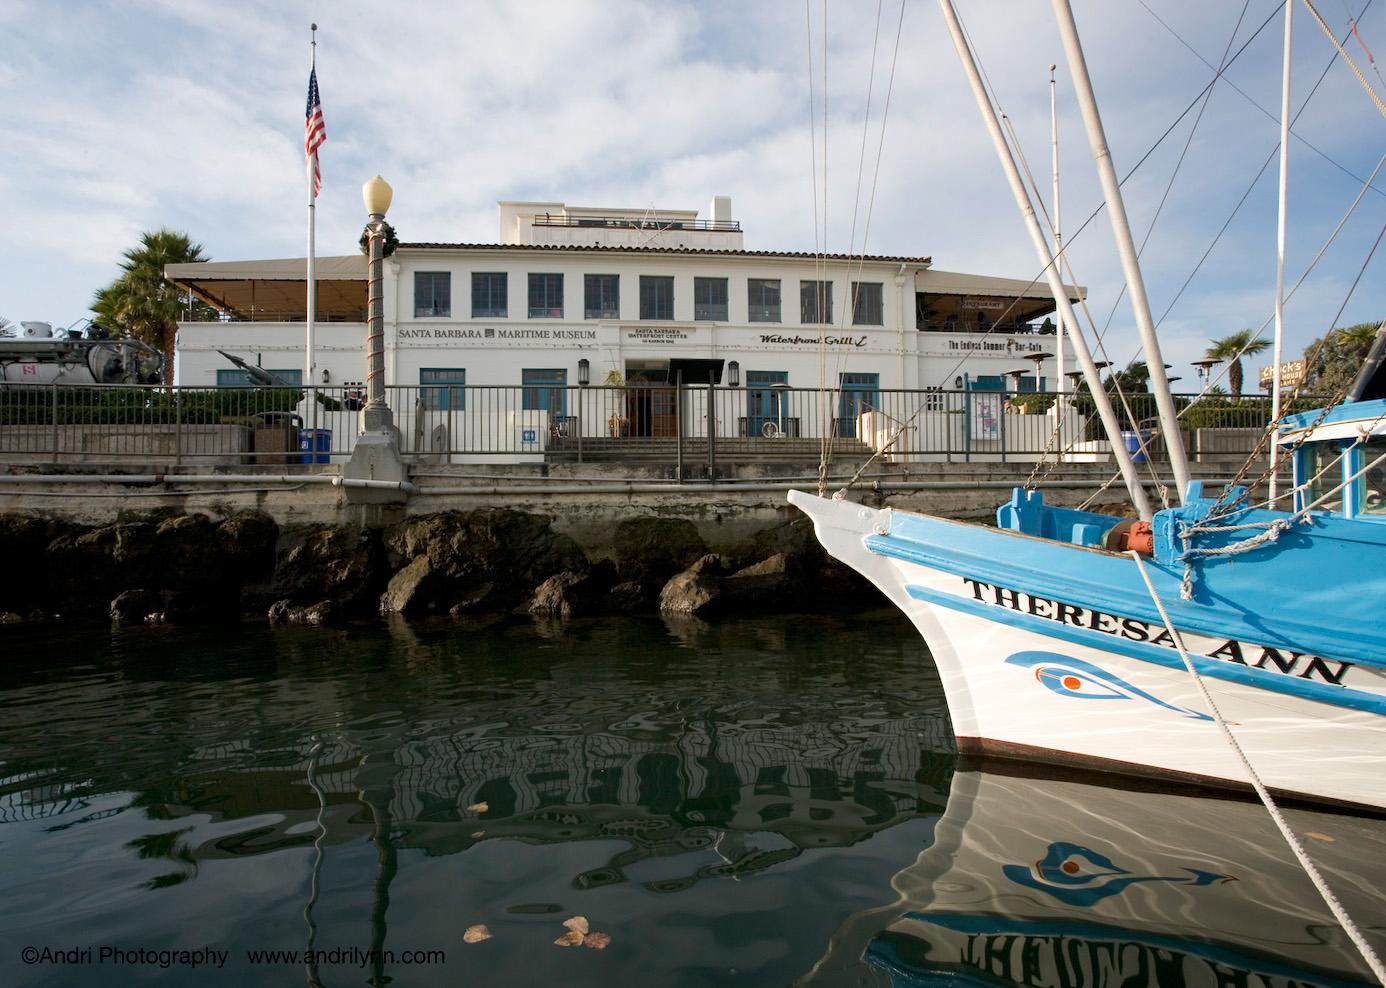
(1269, 115)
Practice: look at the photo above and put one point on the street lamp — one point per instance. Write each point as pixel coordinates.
(376, 457)
(376, 417)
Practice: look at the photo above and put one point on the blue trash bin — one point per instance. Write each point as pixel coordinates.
(1133, 441)
(314, 445)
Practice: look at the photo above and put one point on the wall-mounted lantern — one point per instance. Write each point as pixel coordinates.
(584, 372)
(734, 374)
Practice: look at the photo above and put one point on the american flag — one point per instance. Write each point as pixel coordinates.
(314, 130)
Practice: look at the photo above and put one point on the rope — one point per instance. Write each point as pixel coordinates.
(1339, 912)
(1381, 107)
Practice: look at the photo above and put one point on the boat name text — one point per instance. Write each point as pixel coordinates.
(1283, 661)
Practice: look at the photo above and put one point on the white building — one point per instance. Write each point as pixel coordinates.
(572, 296)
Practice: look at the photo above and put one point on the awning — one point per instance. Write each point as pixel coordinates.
(277, 290)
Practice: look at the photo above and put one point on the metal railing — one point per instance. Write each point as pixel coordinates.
(680, 424)
(635, 223)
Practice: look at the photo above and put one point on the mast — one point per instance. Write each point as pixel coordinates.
(1046, 256)
(1126, 247)
(1280, 251)
(1058, 249)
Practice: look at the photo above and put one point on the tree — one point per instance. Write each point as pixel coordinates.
(1232, 349)
(1135, 379)
(1331, 362)
(142, 302)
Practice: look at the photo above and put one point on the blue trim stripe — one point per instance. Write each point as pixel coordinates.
(1337, 696)
(1104, 582)
(1091, 931)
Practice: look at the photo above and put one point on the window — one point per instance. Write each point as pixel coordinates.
(710, 298)
(656, 297)
(432, 293)
(232, 378)
(815, 301)
(545, 390)
(489, 294)
(1371, 497)
(868, 308)
(763, 300)
(452, 397)
(601, 294)
(546, 296)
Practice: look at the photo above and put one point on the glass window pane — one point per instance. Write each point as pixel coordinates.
(489, 291)
(451, 397)
(656, 297)
(546, 296)
(815, 301)
(868, 303)
(545, 389)
(1373, 492)
(763, 300)
(710, 298)
(432, 293)
(601, 296)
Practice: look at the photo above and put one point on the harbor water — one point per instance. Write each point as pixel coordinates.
(763, 802)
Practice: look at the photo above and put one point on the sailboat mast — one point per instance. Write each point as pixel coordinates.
(1058, 246)
(1280, 251)
(1126, 246)
(1051, 269)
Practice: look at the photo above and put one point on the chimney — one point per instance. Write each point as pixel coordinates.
(720, 210)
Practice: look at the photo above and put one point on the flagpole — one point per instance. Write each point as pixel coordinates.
(309, 378)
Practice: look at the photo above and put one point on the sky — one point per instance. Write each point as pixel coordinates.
(133, 115)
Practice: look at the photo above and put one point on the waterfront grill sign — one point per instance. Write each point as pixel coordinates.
(557, 337)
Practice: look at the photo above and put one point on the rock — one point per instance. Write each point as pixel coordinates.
(323, 562)
(769, 584)
(10, 617)
(247, 540)
(487, 560)
(697, 590)
(285, 612)
(407, 592)
(136, 607)
(626, 597)
(650, 550)
(573, 593)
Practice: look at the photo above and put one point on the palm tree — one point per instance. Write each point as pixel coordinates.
(142, 302)
(1232, 349)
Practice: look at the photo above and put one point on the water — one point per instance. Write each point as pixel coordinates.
(753, 802)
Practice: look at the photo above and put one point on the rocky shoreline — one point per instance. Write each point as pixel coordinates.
(191, 569)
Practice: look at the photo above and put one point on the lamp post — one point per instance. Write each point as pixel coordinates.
(376, 455)
(376, 416)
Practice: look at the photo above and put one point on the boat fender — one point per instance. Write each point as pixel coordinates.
(1131, 536)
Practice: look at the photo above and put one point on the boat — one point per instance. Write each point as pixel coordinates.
(1137, 647)
(1060, 878)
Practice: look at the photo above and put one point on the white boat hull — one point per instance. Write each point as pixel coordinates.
(1021, 684)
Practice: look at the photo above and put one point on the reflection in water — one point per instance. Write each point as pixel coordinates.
(741, 803)
(1069, 881)
(680, 758)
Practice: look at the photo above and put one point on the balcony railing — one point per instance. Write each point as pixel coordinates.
(632, 223)
(158, 427)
